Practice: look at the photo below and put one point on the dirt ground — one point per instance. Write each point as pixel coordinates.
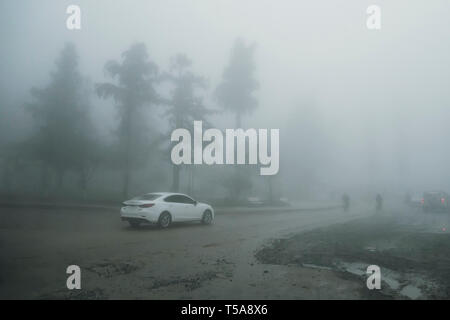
(186, 261)
(222, 261)
(411, 248)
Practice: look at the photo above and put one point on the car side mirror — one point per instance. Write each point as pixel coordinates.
(195, 203)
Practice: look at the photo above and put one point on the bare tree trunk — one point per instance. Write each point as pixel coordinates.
(176, 168)
(83, 182)
(175, 178)
(238, 120)
(44, 180)
(191, 180)
(269, 181)
(7, 181)
(237, 188)
(126, 178)
(127, 167)
(60, 181)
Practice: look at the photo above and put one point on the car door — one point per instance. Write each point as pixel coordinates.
(174, 207)
(180, 207)
(190, 210)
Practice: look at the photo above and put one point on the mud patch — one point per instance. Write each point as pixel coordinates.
(209, 245)
(109, 269)
(218, 269)
(414, 263)
(222, 261)
(82, 294)
(190, 283)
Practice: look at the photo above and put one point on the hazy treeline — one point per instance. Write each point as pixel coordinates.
(63, 154)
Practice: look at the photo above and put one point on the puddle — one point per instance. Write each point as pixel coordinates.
(394, 284)
(314, 266)
(388, 276)
(411, 292)
(393, 279)
(416, 256)
(356, 268)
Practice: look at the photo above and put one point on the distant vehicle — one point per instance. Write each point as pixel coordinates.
(416, 202)
(163, 208)
(435, 201)
(255, 201)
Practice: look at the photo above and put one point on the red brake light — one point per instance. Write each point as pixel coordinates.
(147, 205)
(442, 200)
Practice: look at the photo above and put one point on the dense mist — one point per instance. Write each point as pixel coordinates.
(88, 114)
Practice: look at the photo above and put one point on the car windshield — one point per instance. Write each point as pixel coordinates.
(148, 196)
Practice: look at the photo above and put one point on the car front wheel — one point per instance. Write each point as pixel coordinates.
(164, 220)
(207, 217)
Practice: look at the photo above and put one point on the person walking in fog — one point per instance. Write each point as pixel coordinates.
(379, 201)
(346, 201)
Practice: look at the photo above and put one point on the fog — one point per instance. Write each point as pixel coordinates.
(359, 111)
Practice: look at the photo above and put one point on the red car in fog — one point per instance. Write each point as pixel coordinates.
(435, 201)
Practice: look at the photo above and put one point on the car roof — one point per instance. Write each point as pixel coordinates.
(163, 194)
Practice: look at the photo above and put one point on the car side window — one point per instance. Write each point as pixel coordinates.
(171, 199)
(179, 199)
(187, 200)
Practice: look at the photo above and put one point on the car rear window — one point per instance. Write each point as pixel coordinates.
(149, 196)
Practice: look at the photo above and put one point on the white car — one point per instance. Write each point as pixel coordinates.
(163, 208)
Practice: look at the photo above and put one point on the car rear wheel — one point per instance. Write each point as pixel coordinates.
(165, 220)
(207, 217)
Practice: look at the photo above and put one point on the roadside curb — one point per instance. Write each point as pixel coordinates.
(57, 206)
(237, 210)
(219, 210)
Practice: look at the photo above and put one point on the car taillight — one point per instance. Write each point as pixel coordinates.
(147, 205)
(442, 200)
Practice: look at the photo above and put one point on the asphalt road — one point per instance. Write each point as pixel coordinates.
(186, 261)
